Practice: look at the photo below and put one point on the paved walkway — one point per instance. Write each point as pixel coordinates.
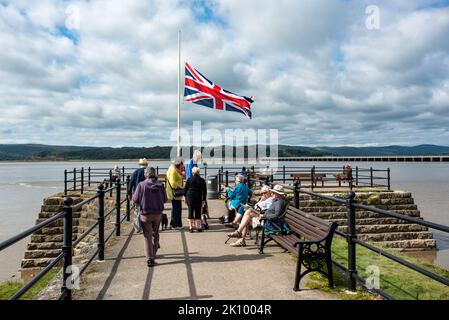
(192, 266)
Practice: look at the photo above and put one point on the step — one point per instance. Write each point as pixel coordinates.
(36, 263)
(39, 254)
(385, 228)
(44, 246)
(45, 215)
(371, 221)
(423, 244)
(361, 215)
(344, 208)
(394, 236)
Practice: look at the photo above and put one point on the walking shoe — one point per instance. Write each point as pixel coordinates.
(200, 230)
(238, 243)
(235, 234)
(191, 230)
(150, 263)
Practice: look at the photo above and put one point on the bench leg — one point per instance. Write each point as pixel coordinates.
(330, 274)
(262, 242)
(298, 271)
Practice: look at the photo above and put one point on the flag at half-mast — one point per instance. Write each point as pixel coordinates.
(198, 89)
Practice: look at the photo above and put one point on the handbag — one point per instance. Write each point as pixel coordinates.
(137, 224)
(178, 192)
(257, 223)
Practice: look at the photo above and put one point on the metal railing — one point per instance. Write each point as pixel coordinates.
(313, 177)
(68, 244)
(352, 240)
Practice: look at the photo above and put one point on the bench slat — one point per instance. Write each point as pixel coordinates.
(309, 216)
(309, 223)
(302, 231)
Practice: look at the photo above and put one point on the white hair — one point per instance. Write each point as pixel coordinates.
(178, 161)
(195, 170)
(197, 156)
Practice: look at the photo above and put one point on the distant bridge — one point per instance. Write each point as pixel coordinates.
(367, 158)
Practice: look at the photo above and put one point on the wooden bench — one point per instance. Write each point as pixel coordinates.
(308, 177)
(310, 241)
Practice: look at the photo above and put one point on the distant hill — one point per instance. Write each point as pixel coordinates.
(46, 152)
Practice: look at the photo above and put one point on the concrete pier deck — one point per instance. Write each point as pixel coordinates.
(193, 266)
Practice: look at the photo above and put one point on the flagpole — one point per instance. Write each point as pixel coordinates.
(179, 93)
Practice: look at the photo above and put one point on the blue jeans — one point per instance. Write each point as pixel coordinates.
(176, 212)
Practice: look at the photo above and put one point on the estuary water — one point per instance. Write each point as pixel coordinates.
(23, 185)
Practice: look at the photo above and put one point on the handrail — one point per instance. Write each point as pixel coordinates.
(351, 235)
(66, 249)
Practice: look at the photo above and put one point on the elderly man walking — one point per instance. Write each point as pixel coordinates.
(150, 195)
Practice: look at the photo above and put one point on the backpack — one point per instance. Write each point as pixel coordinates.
(276, 227)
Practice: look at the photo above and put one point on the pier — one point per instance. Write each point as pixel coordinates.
(89, 225)
(366, 159)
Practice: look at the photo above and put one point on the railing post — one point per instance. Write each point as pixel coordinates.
(117, 208)
(248, 180)
(88, 176)
(123, 173)
(219, 180)
(100, 193)
(157, 170)
(371, 176)
(128, 203)
(110, 182)
(82, 180)
(205, 171)
(283, 174)
(74, 179)
(65, 182)
(389, 179)
(67, 248)
(350, 179)
(312, 176)
(351, 235)
(357, 176)
(227, 178)
(296, 193)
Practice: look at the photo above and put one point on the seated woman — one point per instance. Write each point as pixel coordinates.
(273, 214)
(237, 196)
(263, 204)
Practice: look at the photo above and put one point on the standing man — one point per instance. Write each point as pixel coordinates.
(137, 177)
(192, 163)
(150, 195)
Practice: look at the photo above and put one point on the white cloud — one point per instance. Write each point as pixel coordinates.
(317, 73)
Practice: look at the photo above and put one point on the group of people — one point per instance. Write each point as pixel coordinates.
(149, 194)
(239, 214)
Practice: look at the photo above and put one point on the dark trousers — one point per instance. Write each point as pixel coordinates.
(150, 226)
(176, 212)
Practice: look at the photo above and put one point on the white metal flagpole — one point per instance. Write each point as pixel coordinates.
(179, 93)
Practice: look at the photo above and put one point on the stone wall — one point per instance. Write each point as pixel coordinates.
(373, 227)
(46, 244)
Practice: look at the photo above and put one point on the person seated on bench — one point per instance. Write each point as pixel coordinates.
(272, 214)
(263, 204)
(237, 196)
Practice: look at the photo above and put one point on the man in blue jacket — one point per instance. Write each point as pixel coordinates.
(137, 177)
(238, 196)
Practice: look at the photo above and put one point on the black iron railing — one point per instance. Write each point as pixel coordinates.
(68, 244)
(352, 240)
(313, 177)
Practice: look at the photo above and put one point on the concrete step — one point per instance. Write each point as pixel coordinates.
(394, 236)
(343, 208)
(44, 246)
(414, 244)
(46, 214)
(371, 221)
(39, 254)
(36, 263)
(385, 228)
(361, 214)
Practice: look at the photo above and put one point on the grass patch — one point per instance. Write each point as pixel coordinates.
(398, 281)
(9, 288)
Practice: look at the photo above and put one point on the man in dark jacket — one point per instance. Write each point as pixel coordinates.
(137, 177)
(150, 196)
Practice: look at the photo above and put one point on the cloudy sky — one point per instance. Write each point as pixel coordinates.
(104, 73)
